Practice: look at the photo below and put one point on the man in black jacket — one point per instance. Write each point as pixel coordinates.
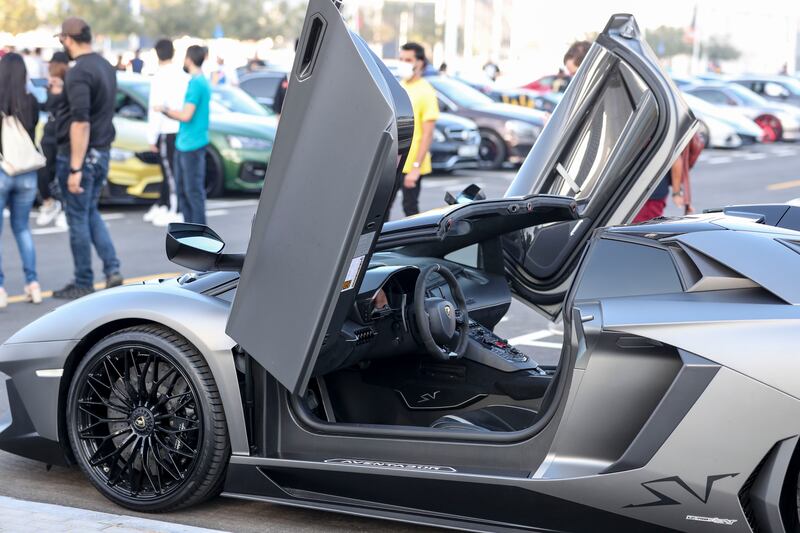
(82, 170)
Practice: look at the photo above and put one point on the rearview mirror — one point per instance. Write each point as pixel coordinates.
(198, 247)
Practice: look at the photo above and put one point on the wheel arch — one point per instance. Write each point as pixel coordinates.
(198, 318)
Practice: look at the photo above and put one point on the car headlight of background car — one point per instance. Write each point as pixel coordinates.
(239, 142)
(519, 132)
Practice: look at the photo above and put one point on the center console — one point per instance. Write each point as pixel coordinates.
(488, 349)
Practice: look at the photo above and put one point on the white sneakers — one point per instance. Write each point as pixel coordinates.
(48, 212)
(161, 216)
(164, 219)
(154, 211)
(33, 292)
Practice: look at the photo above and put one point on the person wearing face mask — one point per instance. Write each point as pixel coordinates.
(426, 111)
(192, 139)
(82, 163)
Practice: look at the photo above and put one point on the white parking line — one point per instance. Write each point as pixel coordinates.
(718, 160)
(48, 231)
(222, 204)
(216, 212)
(754, 156)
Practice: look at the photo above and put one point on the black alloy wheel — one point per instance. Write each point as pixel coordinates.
(492, 152)
(145, 421)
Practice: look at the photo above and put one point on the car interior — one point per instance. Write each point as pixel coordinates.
(418, 347)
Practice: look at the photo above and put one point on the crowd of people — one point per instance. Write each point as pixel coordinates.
(70, 170)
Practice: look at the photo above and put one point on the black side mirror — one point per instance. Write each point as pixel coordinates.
(198, 247)
(471, 193)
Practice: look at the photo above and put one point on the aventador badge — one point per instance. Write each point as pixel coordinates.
(395, 466)
(447, 311)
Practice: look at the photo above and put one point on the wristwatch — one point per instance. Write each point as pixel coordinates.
(416, 164)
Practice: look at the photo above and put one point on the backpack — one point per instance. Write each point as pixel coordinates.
(19, 155)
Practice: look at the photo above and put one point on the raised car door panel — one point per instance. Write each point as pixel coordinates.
(614, 135)
(344, 133)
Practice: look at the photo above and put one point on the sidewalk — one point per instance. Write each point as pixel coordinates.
(20, 516)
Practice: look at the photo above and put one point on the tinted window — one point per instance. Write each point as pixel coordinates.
(238, 101)
(713, 96)
(617, 268)
(459, 92)
(262, 87)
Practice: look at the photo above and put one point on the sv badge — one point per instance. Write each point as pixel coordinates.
(663, 499)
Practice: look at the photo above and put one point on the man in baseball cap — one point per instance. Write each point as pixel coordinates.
(74, 31)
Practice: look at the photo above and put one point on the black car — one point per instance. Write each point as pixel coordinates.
(456, 144)
(268, 87)
(507, 131)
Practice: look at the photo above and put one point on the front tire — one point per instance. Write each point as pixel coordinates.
(492, 151)
(215, 173)
(146, 422)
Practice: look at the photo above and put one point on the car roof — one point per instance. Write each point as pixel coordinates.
(266, 73)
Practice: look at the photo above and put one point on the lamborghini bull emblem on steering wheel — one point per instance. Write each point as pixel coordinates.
(448, 311)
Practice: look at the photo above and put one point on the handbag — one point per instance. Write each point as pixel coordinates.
(20, 154)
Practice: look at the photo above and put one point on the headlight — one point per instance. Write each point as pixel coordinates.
(522, 132)
(117, 154)
(438, 136)
(238, 142)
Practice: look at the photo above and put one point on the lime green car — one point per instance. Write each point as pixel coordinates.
(241, 133)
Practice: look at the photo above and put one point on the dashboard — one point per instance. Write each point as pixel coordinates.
(379, 325)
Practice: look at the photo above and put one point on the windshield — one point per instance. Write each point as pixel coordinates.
(223, 99)
(792, 84)
(238, 101)
(459, 92)
(746, 96)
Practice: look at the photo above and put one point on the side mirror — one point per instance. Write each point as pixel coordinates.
(198, 247)
(471, 193)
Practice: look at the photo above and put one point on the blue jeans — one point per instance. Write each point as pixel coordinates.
(86, 228)
(190, 180)
(17, 193)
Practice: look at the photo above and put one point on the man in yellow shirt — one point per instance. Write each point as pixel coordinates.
(426, 112)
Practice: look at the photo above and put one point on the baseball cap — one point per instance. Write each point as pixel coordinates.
(73, 26)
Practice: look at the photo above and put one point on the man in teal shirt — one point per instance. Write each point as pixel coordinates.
(192, 139)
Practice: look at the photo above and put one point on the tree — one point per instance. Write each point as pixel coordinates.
(17, 16)
(176, 18)
(667, 41)
(106, 17)
(720, 49)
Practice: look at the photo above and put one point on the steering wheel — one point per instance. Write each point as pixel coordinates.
(438, 319)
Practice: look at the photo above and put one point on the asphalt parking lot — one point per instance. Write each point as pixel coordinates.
(765, 173)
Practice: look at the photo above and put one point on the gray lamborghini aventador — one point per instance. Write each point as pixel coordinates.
(350, 364)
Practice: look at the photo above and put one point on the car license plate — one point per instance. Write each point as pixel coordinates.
(469, 150)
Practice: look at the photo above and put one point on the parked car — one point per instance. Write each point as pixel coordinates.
(542, 85)
(456, 144)
(520, 97)
(241, 134)
(507, 131)
(721, 127)
(785, 89)
(779, 121)
(352, 366)
(547, 102)
(267, 87)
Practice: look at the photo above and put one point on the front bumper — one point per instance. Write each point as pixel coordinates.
(30, 388)
(449, 156)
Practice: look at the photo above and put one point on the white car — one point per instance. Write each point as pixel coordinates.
(721, 127)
